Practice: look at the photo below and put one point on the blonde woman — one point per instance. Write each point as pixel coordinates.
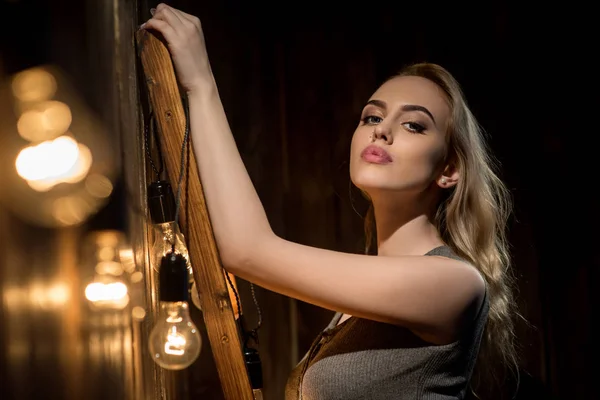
(413, 319)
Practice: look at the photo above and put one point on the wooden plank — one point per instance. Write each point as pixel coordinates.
(150, 381)
(216, 305)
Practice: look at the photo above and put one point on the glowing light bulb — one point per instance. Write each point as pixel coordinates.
(108, 288)
(112, 295)
(175, 342)
(167, 236)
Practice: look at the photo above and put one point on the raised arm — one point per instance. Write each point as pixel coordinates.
(430, 294)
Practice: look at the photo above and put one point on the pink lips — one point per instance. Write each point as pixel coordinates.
(376, 155)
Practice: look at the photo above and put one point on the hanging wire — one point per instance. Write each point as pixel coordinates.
(182, 165)
(254, 332)
(151, 126)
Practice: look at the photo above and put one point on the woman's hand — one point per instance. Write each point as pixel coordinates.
(185, 40)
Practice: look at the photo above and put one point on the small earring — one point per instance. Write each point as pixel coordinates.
(443, 181)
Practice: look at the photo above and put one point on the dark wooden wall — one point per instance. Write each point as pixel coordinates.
(293, 78)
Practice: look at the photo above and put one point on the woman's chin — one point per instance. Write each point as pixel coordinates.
(369, 183)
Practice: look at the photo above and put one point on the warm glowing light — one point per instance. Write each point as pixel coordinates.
(136, 277)
(41, 295)
(44, 121)
(127, 257)
(108, 238)
(49, 163)
(98, 291)
(70, 210)
(113, 268)
(98, 186)
(35, 84)
(175, 343)
(57, 294)
(48, 159)
(138, 313)
(107, 295)
(14, 297)
(49, 296)
(106, 253)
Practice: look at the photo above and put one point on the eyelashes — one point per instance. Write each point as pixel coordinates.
(411, 126)
(369, 120)
(414, 127)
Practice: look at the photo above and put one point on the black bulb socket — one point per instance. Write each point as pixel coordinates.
(173, 278)
(254, 367)
(161, 202)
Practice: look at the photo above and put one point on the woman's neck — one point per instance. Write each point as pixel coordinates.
(405, 226)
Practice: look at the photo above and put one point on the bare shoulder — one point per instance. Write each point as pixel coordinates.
(466, 291)
(433, 294)
(463, 274)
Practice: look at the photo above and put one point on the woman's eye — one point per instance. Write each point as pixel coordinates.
(414, 127)
(372, 119)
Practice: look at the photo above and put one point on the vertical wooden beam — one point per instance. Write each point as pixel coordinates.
(150, 381)
(217, 309)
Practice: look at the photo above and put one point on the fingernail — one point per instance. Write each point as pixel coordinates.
(152, 11)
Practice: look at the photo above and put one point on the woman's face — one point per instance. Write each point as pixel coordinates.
(400, 143)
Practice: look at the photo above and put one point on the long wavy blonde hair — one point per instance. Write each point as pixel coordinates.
(472, 220)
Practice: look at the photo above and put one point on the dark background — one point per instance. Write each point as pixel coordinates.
(293, 77)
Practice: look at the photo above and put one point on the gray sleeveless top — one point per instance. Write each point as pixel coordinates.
(361, 359)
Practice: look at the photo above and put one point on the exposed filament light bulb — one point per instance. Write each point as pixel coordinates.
(167, 236)
(174, 342)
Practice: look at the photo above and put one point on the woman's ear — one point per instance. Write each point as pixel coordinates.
(448, 178)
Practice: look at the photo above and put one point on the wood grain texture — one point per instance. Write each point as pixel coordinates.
(194, 219)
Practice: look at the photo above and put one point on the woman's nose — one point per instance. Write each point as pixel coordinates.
(382, 132)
